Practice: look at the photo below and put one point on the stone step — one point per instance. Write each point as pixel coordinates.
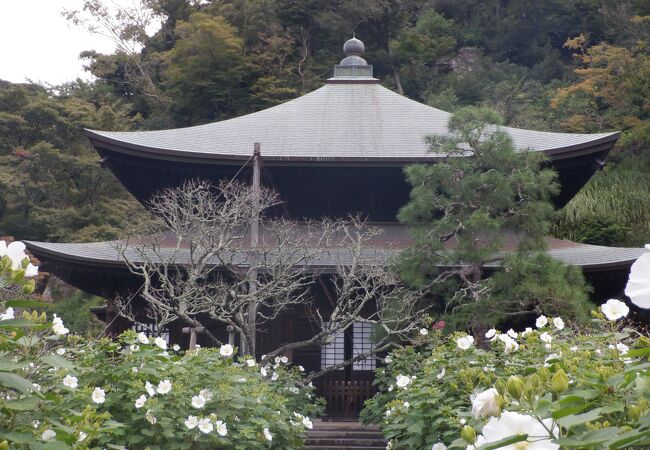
(344, 435)
(346, 447)
(314, 434)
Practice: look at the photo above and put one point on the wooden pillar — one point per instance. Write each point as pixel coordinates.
(255, 228)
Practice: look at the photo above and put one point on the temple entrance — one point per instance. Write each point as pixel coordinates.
(347, 388)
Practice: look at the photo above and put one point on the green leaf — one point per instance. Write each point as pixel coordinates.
(13, 381)
(18, 438)
(24, 404)
(638, 352)
(627, 438)
(16, 323)
(27, 304)
(504, 442)
(589, 438)
(58, 362)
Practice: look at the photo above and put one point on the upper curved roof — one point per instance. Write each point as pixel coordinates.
(345, 120)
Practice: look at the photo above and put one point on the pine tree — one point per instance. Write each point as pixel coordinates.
(479, 218)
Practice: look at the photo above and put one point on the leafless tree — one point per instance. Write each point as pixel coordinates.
(197, 265)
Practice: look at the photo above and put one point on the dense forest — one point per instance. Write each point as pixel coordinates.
(579, 66)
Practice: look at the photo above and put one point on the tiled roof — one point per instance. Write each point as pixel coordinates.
(380, 249)
(339, 121)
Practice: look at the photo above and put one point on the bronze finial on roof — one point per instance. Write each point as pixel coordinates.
(353, 65)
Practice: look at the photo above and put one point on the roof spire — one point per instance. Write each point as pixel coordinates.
(353, 65)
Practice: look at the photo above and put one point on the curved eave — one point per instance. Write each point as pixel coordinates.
(598, 146)
(590, 258)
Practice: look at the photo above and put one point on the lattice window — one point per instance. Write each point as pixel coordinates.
(362, 343)
(334, 352)
(151, 330)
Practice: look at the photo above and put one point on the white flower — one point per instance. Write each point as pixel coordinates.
(60, 351)
(510, 346)
(151, 390)
(489, 335)
(267, 434)
(139, 403)
(37, 387)
(558, 323)
(512, 333)
(513, 423)
(198, 401)
(486, 404)
(614, 309)
(134, 348)
(226, 350)
(424, 331)
(545, 337)
(439, 446)
(263, 371)
(301, 368)
(465, 342)
(164, 387)
(48, 435)
(441, 374)
(15, 251)
(205, 425)
(150, 417)
(480, 440)
(388, 359)
(547, 346)
(31, 270)
(160, 342)
(134, 369)
(463, 421)
(143, 338)
(206, 393)
(574, 349)
(57, 326)
(541, 322)
(402, 381)
(597, 351)
(307, 423)
(191, 422)
(407, 405)
(9, 313)
(250, 362)
(70, 381)
(98, 395)
(274, 376)
(176, 347)
(638, 284)
(621, 348)
(82, 436)
(526, 332)
(222, 430)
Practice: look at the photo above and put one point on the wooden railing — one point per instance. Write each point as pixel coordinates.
(345, 398)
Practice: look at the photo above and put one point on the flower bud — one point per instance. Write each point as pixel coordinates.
(559, 382)
(634, 412)
(544, 374)
(29, 287)
(515, 387)
(501, 387)
(468, 434)
(18, 276)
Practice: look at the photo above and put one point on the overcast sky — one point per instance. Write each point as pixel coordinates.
(36, 42)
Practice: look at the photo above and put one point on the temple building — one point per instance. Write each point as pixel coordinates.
(337, 150)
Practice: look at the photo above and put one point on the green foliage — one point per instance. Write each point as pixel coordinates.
(47, 383)
(76, 314)
(205, 70)
(467, 210)
(590, 386)
(613, 208)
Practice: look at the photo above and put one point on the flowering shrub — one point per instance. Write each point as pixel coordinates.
(547, 388)
(61, 391)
